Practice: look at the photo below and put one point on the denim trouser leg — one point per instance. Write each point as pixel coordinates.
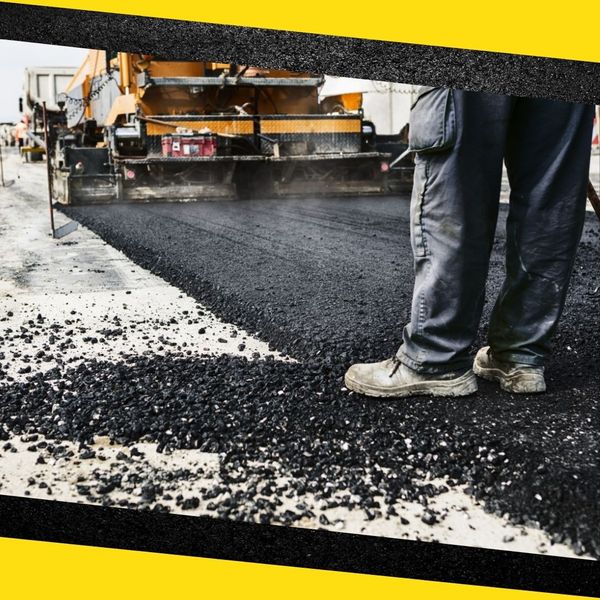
(547, 159)
(454, 211)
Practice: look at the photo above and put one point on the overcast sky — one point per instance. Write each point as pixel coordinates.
(15, 56)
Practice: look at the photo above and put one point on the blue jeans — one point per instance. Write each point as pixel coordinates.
(461, 140)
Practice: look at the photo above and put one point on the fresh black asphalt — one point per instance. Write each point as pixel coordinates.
(328, 281)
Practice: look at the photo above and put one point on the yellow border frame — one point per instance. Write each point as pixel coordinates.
(532, 27)
(48, 570)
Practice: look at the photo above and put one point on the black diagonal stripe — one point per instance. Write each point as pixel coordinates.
(215, 538)
(353, 57)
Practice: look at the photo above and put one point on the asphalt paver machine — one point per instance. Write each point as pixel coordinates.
(140, 128)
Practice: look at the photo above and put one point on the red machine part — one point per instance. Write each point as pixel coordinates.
(186, 146)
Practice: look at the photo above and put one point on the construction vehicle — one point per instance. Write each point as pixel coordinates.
(41, 85)
(386, 106)
(139, 128)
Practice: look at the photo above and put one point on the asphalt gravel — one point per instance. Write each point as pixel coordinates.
(329, 282)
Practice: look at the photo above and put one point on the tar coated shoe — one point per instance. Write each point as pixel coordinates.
(392, 379)
(513, 377)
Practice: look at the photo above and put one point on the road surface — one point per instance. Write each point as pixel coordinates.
(323, 283)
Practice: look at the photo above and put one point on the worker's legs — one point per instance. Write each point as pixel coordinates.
(454, 210)
(547, 158)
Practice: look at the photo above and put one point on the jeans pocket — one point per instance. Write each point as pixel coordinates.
(432, 121)
(417, 230)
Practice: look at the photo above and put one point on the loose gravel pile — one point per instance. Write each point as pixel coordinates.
(329, 282)
(330, 442)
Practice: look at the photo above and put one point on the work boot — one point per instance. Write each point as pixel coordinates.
(392, 379)
(516, 378)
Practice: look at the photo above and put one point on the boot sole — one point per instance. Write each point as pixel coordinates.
(465, 385)
(517, 383)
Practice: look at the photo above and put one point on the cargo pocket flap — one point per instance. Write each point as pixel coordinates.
(432, 121)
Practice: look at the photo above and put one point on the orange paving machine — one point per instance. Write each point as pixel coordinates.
(139, 128)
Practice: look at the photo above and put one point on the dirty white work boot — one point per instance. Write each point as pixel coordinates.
(392, 379)
(516, 378)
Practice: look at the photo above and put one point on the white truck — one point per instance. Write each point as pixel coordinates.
(42, 84)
